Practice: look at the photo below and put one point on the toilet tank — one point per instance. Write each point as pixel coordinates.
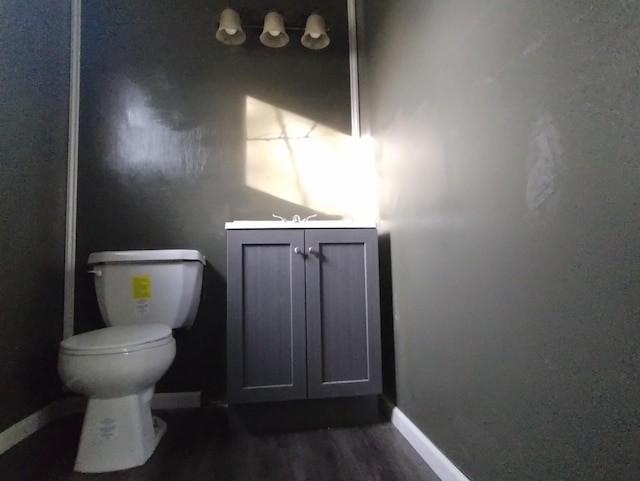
(148, 286)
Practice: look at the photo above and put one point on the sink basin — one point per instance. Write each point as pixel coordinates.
(310, 224)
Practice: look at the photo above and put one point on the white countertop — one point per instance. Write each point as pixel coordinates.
(310, 224)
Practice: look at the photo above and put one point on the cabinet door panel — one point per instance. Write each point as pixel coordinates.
(266, 327)
(343, 321)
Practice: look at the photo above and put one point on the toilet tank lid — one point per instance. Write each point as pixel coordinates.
(117, 337)
(148, 255)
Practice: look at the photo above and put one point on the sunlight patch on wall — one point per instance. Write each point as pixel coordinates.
(302, 161)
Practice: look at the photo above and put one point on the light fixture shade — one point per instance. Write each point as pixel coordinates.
(230, 31)
(315, 34)
(273, 34)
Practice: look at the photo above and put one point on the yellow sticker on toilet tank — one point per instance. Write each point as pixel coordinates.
(141, 287)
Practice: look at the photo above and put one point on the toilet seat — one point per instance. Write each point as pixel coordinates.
(117, 340)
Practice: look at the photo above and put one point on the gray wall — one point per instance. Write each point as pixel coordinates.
(34, 96)
(507, 136)
(163, 143)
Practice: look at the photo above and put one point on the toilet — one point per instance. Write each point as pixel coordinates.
(142, 296)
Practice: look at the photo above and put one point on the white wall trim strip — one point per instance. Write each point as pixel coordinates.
(353, 69)
(29, 425)
(76, 404)
(437, 461)
(72, 172)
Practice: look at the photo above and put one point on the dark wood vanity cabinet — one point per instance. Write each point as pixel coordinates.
(303, 314)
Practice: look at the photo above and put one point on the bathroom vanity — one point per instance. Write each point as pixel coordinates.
(303, 310)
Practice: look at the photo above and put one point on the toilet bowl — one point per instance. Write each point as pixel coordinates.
(117, 367)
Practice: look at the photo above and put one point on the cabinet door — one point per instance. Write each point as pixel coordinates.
(343, 313)
(266, 316)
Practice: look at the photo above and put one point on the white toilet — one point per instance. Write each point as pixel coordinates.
(142, 295)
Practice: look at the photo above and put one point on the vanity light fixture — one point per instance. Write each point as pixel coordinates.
(315, 33)
(230, 30)
(273, 34)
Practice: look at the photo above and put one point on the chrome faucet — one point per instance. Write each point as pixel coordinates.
(295, 218)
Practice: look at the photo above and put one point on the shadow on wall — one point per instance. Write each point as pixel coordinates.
(387, 318)
(208, 338)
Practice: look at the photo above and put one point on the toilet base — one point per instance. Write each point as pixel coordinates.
(118, 433)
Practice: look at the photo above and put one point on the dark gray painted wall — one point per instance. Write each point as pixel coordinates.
(162, 142)
(34, 96)
(508, 146)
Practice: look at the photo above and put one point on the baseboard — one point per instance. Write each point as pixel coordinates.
(437, 461)
(76, 404)
(29, 425)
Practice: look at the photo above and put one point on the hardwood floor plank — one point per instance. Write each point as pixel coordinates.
(210, 445)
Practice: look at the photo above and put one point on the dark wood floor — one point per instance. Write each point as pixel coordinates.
(210, 444)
